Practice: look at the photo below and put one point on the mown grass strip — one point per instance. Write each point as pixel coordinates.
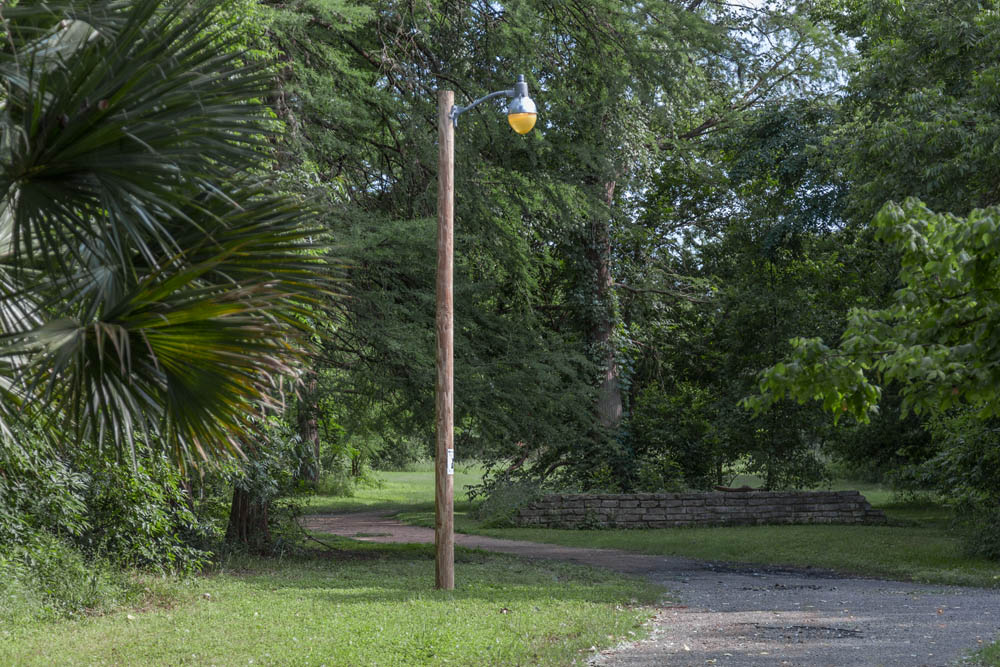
(911, 553)
(928, 553)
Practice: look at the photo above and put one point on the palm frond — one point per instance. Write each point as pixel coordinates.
(163, 294)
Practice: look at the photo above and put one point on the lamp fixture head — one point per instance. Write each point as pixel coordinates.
(521, 114)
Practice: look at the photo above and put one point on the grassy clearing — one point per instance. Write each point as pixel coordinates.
(918, 545)
(412, 489)
(362, 604)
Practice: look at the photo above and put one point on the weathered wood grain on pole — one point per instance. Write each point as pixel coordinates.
(444, 528)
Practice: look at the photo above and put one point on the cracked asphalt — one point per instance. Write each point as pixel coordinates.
(742, 616)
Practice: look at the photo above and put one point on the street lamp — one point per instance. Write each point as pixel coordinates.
(521, 115)
(521, 112)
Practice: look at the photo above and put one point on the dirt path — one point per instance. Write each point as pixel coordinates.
(744, 615)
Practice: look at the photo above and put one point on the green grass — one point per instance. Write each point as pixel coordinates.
(362, 604)
(924, 553)
(918, 544)
(412, 489)
(988, 656)
(915, 553)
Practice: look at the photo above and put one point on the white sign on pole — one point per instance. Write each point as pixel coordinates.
(451, 461)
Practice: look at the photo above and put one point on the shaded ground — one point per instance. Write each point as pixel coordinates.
(747, 615)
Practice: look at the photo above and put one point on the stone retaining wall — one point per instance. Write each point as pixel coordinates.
(665, 510)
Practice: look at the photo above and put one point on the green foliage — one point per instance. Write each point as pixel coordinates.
(921, 116)
(935, 343)
(769, 259)
(273, 458)
(936, 340)
(48, 578)
(154, 290)
(262, 515)
(142, 518)
(142, 265)
(680, 437)
(884, 447)
(38, 491)
(398, 453)
(46, 571)
(503, 496)
(71, 530)
(335, 483)
(965, 471)
(988, 656)
(546, 234)
(918, 124)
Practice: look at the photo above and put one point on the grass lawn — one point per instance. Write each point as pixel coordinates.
(918, 545)
(989, 656)
(412, 489)
(360, 605)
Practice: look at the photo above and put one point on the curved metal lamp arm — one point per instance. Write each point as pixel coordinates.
(456, 110)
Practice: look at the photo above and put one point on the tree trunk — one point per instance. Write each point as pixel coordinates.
(609, 397)
(310, 470)
(248, 522)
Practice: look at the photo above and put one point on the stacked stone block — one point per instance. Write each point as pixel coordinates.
(668, 510)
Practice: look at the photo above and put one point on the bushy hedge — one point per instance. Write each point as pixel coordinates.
(50, 563)
(74, 525)
(966, 473)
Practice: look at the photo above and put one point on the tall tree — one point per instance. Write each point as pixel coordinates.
(626, 90)
(922, 123)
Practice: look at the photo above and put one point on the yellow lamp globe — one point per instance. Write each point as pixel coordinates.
(521, 114)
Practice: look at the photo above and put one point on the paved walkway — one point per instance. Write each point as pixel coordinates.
(742, 616)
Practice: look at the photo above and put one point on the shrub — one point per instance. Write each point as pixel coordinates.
(142, 517)
(396, 453)
(965, 472)
(38, 491)
(504, 496)
(264, 507)
(66, 535)
(659, 473)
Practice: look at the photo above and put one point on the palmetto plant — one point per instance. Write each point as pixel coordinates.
(150, 286)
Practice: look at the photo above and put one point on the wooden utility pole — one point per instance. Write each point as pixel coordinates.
(444, 453)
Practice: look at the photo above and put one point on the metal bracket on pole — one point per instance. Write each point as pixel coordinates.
(456, 110)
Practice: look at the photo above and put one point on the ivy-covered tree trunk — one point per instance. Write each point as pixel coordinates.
(609, 397)
(310, 469)
(248, 522)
